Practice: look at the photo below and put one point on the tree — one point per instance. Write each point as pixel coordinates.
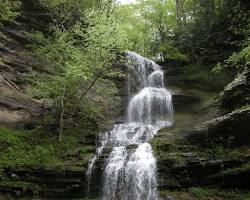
(79, 60)
(9, 10)
(181, 16)
(150, 28)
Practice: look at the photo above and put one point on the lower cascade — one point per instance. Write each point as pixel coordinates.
(130, 171)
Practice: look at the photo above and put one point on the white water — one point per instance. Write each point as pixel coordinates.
(130, 169)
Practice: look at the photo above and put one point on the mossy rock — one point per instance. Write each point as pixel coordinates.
(229, 129)
(237, 93)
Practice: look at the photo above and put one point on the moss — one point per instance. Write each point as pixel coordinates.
(237, 170)
(207, 98)
(2, 175)
(5, 37)
(162, 145)
(217, 152)
(171, 182)
(6, 197)
(9, 138)
(215, 193)
(183, 120)
(177, 195)
(202, 193)
(35, 148)
(174, 158)
(19, 184)
(86, 149)
(199, 77)
(198, 193)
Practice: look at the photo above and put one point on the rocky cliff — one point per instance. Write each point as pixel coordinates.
(16, 108)
(209, 144)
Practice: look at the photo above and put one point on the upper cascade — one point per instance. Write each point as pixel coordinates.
(139, 69)
(153, 102)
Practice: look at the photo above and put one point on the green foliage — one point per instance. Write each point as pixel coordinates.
(242, 58)
(78, 60)
(241, 28)
(66, 12)
(171, 30)
(135, 29)
(87, 149)
(199, 77)
(82, 3)
(8, 139)
(27, 148)
(1, 61)
(214, 193)
(9, 10)
(237, 60)
(149, 27)
(201, 193)
(78, 54)
(27, 156)
(171, 52)
(17, 151)
(240, 23)
(204, 193)
(237, 170)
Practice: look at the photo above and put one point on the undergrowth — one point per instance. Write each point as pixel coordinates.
(35, 148)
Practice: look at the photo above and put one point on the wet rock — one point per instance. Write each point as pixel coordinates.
(44, 183)
(232, 128)
(181, 99)
(168, 198)
(181, 170)
(237, 93)
(185, 162)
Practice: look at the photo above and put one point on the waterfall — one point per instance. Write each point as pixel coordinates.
(130, 169)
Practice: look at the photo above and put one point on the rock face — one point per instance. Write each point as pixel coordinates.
(196, 170)
(15, 63)
(42, 183)
(181, 99)
(16, 108)
(210, 146)
(232, 125)
(237, 93)
(232, 128)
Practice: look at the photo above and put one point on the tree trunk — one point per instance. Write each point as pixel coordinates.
(60, 115)
(181, 16)
(96, 78)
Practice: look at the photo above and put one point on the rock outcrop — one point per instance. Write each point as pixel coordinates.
(232, 128)
(15, 105)
(211, 145)
(237, 93)
(43, 183)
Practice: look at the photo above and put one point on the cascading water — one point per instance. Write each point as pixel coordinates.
(130, 169)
